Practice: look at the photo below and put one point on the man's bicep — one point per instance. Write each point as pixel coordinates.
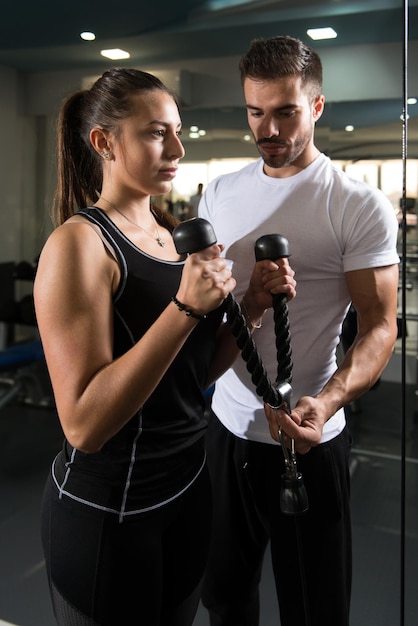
(374, 294)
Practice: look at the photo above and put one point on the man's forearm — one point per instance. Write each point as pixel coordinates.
(360, 368)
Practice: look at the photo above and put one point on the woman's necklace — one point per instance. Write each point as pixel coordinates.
(158, 239)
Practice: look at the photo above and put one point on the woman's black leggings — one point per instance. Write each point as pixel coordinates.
(146, 570)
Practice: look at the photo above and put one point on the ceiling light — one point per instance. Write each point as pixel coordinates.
(321, 33)
(412, 101)
(115, 54)
(195, 132)
(88, 36)
(247, 137)
(349, 128)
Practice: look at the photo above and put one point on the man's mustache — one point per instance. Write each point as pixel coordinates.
(273, 140)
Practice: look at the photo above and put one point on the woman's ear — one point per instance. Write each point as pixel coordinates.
(99, 141)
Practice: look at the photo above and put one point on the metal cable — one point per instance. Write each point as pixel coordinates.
(403, 309)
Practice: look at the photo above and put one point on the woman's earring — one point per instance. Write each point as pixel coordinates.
(106, 155)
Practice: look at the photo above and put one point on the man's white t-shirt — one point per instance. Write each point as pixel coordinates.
(334, 224)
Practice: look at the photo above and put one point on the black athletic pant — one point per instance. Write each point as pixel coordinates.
(246, 487)
(145, 571)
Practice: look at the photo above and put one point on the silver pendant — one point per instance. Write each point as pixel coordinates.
(160, 242)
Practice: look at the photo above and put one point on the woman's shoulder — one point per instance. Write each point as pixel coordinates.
(76, 239)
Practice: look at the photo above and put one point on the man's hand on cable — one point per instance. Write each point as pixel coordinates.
(270, 277)
(304, 425)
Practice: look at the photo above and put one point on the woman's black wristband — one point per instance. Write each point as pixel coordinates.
(187, 310)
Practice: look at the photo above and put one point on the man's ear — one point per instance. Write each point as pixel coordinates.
(318, 107)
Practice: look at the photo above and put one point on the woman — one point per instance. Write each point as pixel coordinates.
(132, 335)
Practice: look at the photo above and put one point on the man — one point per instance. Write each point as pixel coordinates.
(342, 239)
(194, 201)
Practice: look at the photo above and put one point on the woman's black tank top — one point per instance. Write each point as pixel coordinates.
(160, 451)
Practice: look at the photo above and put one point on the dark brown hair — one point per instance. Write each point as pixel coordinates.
(104, 105)
(277, 57)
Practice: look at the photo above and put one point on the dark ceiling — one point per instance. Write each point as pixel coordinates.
(45, 36)
(187, 34)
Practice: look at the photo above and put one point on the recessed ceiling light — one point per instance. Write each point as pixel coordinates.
(412, 101)
(349, 128)
(321, 33)
(195, 132)
(88, 36)
(115, 54)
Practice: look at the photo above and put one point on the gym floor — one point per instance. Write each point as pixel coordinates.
(385, 532)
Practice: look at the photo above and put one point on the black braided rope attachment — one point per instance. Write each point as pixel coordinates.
(245, 342)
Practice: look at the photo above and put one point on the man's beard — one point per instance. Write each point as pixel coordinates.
(284, 160)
